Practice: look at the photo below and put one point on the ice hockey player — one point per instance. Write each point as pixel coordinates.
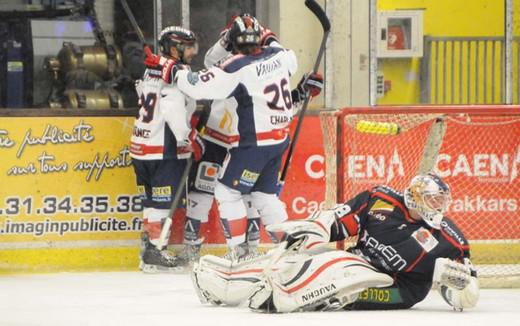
(405, 244)
(205, 174)
(257, 103)
(161, 141)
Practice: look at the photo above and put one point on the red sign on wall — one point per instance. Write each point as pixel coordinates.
(479, 159)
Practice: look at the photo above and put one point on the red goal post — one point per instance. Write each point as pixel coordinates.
(476, 149)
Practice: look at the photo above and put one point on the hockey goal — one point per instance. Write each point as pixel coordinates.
(475, 149)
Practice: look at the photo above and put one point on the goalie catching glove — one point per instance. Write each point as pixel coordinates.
(456, 282)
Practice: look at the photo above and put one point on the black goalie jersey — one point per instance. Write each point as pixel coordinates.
(397, 245)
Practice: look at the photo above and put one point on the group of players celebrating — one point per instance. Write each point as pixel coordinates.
(404, 245)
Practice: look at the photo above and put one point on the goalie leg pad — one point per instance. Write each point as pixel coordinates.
(325, 281)
(221, 281)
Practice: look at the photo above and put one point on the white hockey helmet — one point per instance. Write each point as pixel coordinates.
(430, 197)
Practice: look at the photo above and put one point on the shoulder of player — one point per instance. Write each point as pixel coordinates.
(387, 193)
(452, 233)
(239, 61)
(233, 63)
(386, 199)
(152, 74)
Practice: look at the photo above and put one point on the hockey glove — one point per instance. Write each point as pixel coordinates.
(267, 36)
(151, 60)
(168, 67)
(224, 40)
(224, 34)
(311, 83)
(196, 145)
(306, 234)
(455, 283)
(451, 273)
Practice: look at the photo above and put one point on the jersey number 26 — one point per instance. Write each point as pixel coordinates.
(276, 89)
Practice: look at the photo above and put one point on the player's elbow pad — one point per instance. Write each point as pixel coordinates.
(461, 299)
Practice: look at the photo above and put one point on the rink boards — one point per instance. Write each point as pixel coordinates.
(68, 200)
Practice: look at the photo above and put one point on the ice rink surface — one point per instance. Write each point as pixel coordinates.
(133, 298)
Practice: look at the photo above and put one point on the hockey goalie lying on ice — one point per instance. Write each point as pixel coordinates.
(405, 244)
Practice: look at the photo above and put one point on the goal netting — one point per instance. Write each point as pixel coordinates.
(475, 149)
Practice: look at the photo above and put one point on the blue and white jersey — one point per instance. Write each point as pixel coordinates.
(253, 97)
(162, 126)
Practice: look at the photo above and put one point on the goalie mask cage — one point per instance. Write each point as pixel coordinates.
(476, 149)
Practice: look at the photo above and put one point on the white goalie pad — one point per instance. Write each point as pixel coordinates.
(314, 230)
(320, 279)
(224, 282)
(455, 283)
(221, 281)
(325, 281)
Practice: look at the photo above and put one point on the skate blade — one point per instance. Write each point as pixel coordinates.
(154, 269)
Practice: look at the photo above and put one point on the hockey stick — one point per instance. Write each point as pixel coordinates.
(165, 230)
(325, 24)
(282, 249)
(133, 22)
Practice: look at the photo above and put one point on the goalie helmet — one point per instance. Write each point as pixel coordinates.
(178, 37)
(244, 32)
(430, 197)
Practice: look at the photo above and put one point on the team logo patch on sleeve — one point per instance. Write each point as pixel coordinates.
(425, 239)
(193, 77)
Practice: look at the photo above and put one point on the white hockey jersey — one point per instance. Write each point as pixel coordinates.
(162, 126)
(253, 97)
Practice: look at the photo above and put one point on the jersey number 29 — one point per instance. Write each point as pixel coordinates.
(148, 104)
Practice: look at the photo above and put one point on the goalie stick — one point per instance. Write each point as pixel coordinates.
(325, 24)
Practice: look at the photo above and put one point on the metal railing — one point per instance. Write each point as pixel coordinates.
(467, 70)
